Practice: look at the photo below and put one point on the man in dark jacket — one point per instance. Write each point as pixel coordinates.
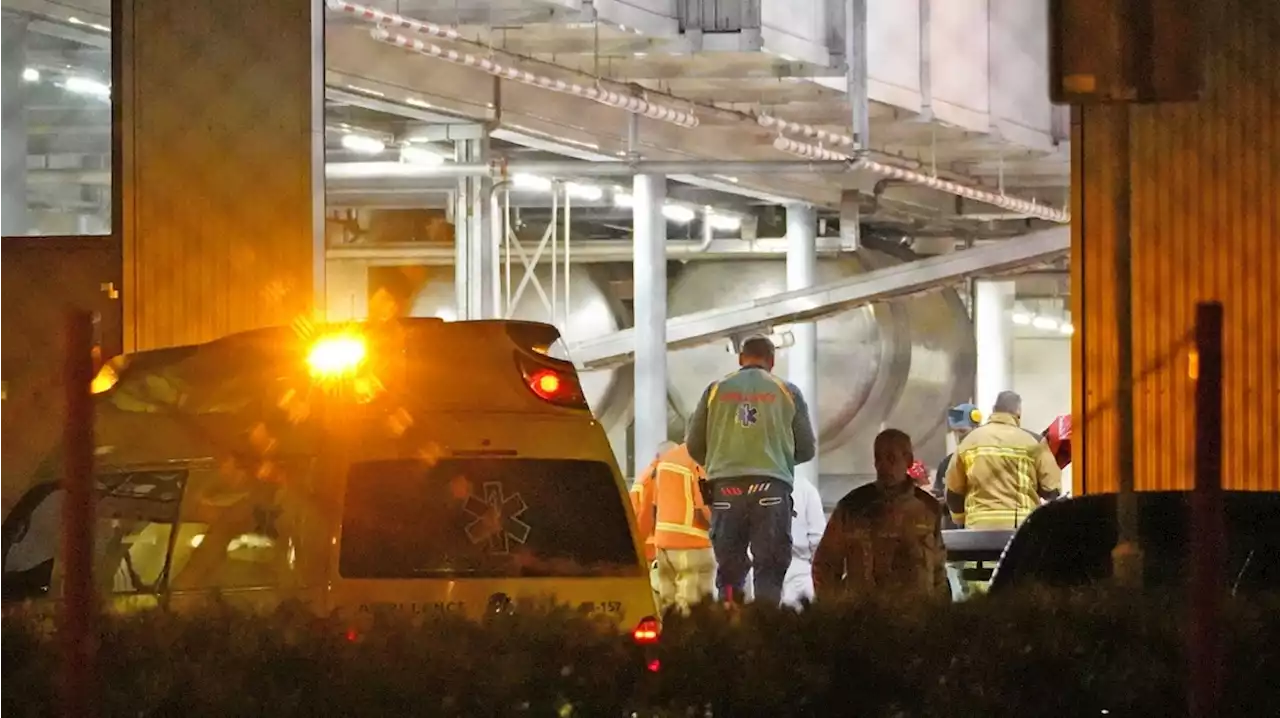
(884, 537)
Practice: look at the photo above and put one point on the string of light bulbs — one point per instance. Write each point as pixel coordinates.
(611, 98)
(1013, 204)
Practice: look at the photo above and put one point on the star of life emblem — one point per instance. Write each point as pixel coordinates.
(747, 415)
(496, 518)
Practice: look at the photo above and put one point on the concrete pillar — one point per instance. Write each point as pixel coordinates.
(618, 442)
(13, 131)
(347, 291)
(802, 357)
(650, 267)
(476, 268)
(993, 334)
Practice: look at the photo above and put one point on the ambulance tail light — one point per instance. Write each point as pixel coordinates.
(552, 381)
(647, 631)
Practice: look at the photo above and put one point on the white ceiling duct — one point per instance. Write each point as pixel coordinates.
(631, 104)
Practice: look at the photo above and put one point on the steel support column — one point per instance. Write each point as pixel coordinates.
(855, 46)
(650, 267)
(802, 357)
(993, 335)
(347, 291)
(319, 200)
(13, 152)
(476, 270)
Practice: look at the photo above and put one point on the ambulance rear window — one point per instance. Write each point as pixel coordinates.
(485, 518)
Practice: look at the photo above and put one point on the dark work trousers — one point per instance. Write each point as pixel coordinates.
(751, 512)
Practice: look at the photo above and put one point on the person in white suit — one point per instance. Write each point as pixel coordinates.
(807, 527)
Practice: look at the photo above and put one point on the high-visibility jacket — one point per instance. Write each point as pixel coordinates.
(1000, 471)
(751, 424)
(646, 476)
(669, 505)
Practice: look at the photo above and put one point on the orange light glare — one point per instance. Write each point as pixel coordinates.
(549, 383)
(104, 379)
(546, 384)
(337, 355)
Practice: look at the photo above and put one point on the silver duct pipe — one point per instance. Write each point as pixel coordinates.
(585, 251)
(570, 168)
(586, 168)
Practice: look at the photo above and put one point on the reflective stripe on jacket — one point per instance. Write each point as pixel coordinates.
(637, 488)
(1001, 470)
(669, 505)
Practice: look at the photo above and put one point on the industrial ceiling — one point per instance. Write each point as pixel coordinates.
(404, 78)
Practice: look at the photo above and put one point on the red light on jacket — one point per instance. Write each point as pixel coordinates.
(546, 384)
(646, 632)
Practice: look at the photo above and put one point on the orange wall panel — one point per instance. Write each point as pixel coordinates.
(219, 154)
(1205, 219)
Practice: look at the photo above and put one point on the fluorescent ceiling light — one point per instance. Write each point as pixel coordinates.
(1067, 328)
(87, 86)
(421, 156)
(96, 26)
(31, 74)
(363, 144)
(673, 212)
(531, 182)
(724, 222)
(1022, 318)
(678, 213)
(1048, 324)
(587, 192)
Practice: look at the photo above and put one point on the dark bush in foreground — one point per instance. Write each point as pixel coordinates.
(1035, 655)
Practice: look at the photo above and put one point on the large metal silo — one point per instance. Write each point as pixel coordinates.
(900, 364)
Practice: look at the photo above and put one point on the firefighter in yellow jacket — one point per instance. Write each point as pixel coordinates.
(670, 510)
(1001, 472)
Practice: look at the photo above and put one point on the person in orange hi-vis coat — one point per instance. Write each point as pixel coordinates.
(671, 512)
(650, 551)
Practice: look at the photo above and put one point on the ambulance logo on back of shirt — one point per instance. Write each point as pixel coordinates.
(747, 415)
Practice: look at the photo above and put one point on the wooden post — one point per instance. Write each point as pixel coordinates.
(78, 517)
(1204, 645)
(1126, 557)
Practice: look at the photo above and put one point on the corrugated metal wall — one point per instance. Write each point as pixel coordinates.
(1205, 180)
(43, 277)
(217, 149)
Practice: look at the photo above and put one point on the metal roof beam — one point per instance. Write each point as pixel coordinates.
(761, 315)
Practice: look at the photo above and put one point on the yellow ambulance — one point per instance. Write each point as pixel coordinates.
(413, 465)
